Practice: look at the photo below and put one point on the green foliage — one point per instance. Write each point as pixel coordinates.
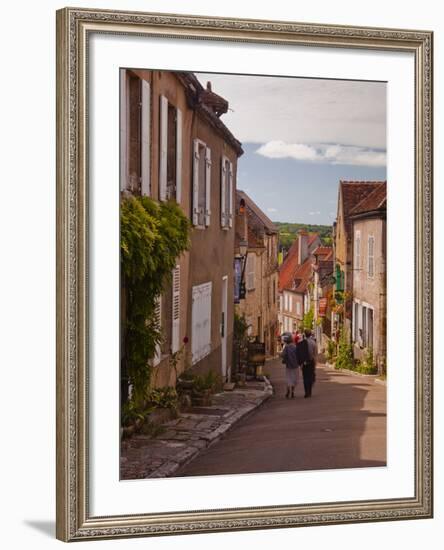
(367, 366)
(176, 357)
(132, 412)
(307, 320)
(240, 332)
(209, 381)
(152, 236)
(164, 398)
(288, 232)
(344, 359)
(199, 383)
(331, 350)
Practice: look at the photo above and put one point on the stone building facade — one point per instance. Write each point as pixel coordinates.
(174, 146)
(295, 274)
(350, 193)
(260, 305)
(369, 277)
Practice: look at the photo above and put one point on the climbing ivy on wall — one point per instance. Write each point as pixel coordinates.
(152, 237)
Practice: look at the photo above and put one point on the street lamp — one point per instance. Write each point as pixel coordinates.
(243, 247)
(243, 252)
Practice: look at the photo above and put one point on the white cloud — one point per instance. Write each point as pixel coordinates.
(271, 210)
(330, 154)
(279, 150)
(303, 110)
(314, 213)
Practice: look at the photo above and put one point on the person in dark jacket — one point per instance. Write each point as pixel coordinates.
(306, 353)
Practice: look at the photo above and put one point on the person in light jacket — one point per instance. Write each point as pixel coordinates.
(290, 360)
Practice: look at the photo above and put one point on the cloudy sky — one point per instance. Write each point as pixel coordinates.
(300, 137)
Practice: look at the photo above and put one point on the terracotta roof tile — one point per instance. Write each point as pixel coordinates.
(376, 200)
(353, 192)
(302, 275)
(289, 265)
(291, 270)
(322, 251)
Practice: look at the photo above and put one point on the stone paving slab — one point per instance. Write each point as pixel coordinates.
(185, 437)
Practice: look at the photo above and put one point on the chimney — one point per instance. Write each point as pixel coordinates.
(303, 247)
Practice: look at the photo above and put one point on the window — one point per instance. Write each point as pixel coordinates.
(175, 317)
(250, 326)
(170, 162)
(357, 249)
(356, 322)
(226, 194)
(290, 303)
(201, 322)
(298, 308)
(201, 184)
(371, 256)
(135, 127)
(370, 328)
(364, 327)
(251, 260)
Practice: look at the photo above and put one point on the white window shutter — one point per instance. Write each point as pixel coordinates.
(123, 131)
(230, 191)
(158, 316)
(178, 155)
(207, 186)
(207, 320)
(201, 321)
(175, 338)
(223, 183)
(163, 148)
(146, 132)
(196, 183)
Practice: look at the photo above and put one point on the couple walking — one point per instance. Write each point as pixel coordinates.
(302, 354)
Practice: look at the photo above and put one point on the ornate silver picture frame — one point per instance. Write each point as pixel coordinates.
(75, 520)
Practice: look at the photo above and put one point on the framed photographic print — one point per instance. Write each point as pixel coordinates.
(244, 318)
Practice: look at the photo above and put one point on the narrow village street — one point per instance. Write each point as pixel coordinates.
(343, 425)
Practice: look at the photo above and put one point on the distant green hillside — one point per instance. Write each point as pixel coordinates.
(289, 231)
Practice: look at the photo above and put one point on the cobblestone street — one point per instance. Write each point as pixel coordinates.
(342, 426)
(184, 438)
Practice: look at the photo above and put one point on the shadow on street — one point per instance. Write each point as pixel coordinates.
(343, 425)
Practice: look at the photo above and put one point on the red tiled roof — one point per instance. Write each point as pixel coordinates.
(353, 192)
(291, 269)
(376, 200)
(289, 265)
(311, 238)
(323, 251)
(302, 275)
